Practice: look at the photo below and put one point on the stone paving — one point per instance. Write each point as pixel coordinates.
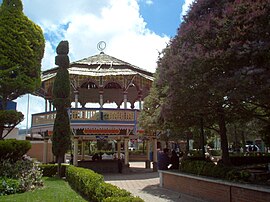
(145, 184)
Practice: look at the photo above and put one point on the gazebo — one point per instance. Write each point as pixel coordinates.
(115, 87)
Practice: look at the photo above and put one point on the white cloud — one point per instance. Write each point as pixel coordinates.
(185, 7)
(86, 22)
(149, 2)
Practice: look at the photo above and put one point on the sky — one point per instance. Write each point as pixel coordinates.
(135, 31)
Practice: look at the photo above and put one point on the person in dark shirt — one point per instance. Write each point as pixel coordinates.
(164, 160)
(174, 160)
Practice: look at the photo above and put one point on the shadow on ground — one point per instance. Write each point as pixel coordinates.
(134, 174)
(155, 190)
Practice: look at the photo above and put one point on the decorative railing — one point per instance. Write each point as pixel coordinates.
(88, 115)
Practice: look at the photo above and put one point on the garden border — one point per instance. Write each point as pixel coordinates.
(210, 189)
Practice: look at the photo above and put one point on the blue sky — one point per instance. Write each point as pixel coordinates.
(134, 31)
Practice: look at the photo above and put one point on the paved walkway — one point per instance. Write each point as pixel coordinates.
(145, 184)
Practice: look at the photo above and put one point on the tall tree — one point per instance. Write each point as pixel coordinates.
(61, 139)
(21, 50)
(218, 63)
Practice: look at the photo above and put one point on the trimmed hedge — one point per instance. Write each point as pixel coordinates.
(13, 150)
(249, 160)
(92, 186)
(123, 199)
(50, 170)
(206, 168)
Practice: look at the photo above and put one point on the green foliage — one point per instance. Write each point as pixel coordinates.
(92, 186)
(206, 168)
(9, 119)
(61, 139)
(215, 152)
(249, 160)
(265, 132)
(22, 47)
(61, 89)
(202, 167)
(25, 171)
(84, 181)
(106, 190)
(150, 117)
(238, 175)
(21, 50)
(13, 149)
(9, 186)
(50, 170)
(217, 67)
(123, 199)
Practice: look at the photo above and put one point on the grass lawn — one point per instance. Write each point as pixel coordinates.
(54, 190)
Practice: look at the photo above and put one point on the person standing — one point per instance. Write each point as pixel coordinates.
(174, 160)
(164, 160)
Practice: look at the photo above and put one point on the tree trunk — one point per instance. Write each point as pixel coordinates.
(202, 138)
(59, 161)
(236, 145)
(187, 146)
(223, 137)
(243, 141)
(1, 132)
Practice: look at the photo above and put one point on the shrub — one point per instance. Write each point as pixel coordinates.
(215, 152)
(26, 171)
(9, 186)
(238, 175)
(13, 149)
(249, 160)
(106, 190)
(84, 181)
(123, 199)
(30, 175)
(92, 186)
(50, 170)
(206, 168)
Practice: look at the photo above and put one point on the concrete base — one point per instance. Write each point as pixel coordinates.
(147, 164)
(155, 168)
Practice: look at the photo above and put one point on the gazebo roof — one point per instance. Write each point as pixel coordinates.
(100, 65)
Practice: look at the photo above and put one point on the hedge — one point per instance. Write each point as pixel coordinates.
(249, 160)
(123, 199)
(92, 186)
(50, 170)
(13, 149)
(206, 168)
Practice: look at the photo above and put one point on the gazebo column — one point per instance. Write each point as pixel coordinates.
(125, 100)
(76, 98)
(154, 141)
(75, 156)
(50, 105)
(118, 148)
(101, 102)
(148, 160)
(82, 149)
(140, 102)
(126, 139)
(45, 150)
(46, 105)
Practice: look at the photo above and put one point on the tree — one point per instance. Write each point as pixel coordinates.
(218, 65)
(21, 50)
(150, 117)
(61, 139)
